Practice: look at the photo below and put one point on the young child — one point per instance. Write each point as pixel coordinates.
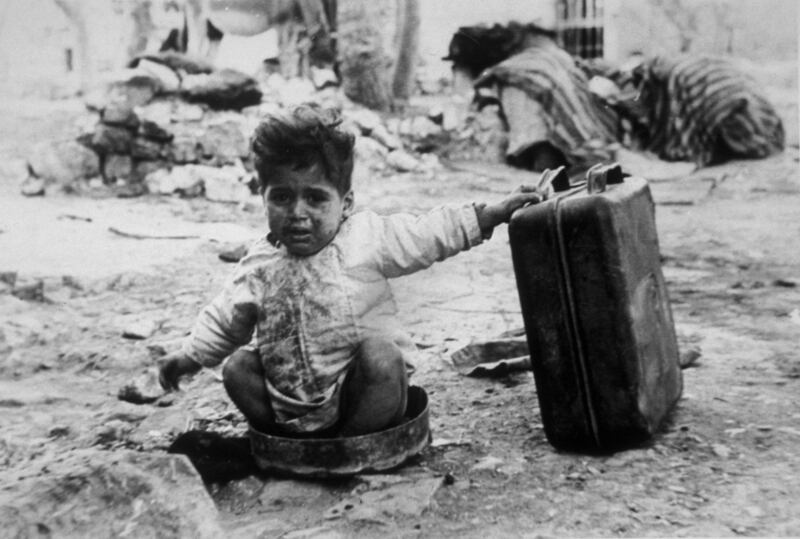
(315, 290)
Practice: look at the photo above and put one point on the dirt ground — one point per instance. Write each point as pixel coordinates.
(726, 464)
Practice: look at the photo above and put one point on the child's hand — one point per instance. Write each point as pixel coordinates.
(489, 216)
(172, 366)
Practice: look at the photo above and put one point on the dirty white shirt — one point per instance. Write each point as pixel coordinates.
(310, 313)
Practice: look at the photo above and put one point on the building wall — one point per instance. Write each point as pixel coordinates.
(751, 29)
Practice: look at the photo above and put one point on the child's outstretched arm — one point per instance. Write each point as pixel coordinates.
(408, 243)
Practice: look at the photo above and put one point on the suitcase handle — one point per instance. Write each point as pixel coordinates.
(600, 175)
(553, 181)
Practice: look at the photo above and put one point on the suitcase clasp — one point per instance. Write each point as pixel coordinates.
(600, 175)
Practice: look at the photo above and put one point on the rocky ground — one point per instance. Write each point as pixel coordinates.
(91, 310)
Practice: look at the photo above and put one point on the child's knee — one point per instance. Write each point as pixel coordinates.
(380, 360)
(241, 363)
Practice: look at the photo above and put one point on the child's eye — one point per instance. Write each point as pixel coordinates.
(316, 199)
(279, 197)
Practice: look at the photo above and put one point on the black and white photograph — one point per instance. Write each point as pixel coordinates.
(322, 269)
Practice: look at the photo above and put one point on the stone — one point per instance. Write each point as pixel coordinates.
(322, 78)
(19, 331)
(117, 167)
(720, 450)
(186, 112)
(94, 493)
(487, 463)
(168, 79)
(8, 277)
(688, 358)
(142, 168)
(430, 162)
(233, 255)
(144, 389)
(262, 110)
(158, 112)
(382, 135)
(224, 142)
(218, 458)
(402, 161)
(112, 139)
(370, 152)
(14, 170)
(331, 97)
(185, 146)
(135, 90)
(409, 497)
(166, 182)
(422, 127)
(452, 118)
(152, 131)
(33, 187)
(120, 115)
(498, 356)
(224, 184)
(29, 290)
(160, 427)
(223, 89)
(436, 114)
(63, 162)
(140, 329)
(147, 150)
(180, 62)
(365, 119)
(296, 91)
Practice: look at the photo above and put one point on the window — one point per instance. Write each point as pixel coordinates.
(580, 27)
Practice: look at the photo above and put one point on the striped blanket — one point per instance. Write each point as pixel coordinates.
(705, 110)
(573, 119)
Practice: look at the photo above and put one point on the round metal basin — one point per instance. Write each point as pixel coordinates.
(330, 457)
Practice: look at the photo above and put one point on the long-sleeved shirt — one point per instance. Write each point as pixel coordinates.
(310, 313)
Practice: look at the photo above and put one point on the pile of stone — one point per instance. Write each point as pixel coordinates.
(169, 125)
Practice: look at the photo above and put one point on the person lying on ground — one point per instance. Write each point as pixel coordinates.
(328, 356)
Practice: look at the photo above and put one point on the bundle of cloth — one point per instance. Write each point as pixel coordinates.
(552, 116)
(701, 109)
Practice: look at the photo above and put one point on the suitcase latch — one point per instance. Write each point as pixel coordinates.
(600, 175)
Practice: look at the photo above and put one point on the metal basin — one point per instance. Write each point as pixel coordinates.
(331, 457)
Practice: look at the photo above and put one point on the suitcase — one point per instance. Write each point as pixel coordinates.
(597, 317)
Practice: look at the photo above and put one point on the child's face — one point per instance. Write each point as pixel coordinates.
(304, 209)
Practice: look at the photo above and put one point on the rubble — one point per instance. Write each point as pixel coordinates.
(173, 125)
(144, 389)
(33, 187)
(63, 162)
(403, 161)
(223, 89)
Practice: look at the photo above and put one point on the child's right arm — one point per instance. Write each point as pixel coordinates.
(174, 366)
(223, 325)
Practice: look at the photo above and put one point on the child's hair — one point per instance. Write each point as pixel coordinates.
(300, 138)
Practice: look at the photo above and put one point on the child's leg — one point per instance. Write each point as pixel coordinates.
(375, 391)
(243, 378)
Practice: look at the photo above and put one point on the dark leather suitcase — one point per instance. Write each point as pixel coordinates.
(597, 316)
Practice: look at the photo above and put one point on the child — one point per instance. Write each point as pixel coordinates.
(326, 360)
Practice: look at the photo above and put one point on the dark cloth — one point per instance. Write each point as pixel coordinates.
(705, 110)
(576, 122)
